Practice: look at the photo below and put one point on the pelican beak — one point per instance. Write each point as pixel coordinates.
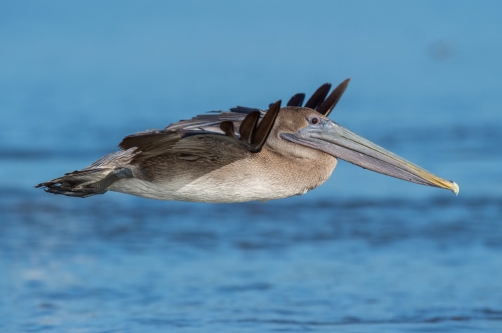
(331, 138)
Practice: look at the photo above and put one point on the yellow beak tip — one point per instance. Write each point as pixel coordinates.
(455, 188)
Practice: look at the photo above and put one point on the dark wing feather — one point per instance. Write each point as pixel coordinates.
(296, 100)
(149, 144)
(252, 135)
(248, 126)
(209, 121)
(329, 104)
(263, 130)
(318, 97)
(243, 109)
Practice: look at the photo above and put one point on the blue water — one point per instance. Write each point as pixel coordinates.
(362, 253)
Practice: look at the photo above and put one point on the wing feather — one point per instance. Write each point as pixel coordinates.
(156, 142)
(226, 124)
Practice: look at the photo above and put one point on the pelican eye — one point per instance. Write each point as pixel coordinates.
(314, 120)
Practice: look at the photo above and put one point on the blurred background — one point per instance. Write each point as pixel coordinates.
(362, 253)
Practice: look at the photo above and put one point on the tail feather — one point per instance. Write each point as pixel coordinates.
(85, 183)
(95, 179)
(77, 183)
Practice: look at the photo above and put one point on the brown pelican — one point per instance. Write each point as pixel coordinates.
(242, 155)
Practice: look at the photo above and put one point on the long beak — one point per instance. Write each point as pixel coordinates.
(339, 142)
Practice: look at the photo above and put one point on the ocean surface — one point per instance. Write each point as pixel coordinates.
(361, 253)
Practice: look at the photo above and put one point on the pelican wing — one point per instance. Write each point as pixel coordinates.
(252, 124)
(253, 133)
(211, 121)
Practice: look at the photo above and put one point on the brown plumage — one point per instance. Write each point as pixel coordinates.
(216, 168)
(236, 156)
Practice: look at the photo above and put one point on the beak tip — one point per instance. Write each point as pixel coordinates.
(455, 188)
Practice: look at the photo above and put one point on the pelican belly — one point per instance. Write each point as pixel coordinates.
(236, 182)
(237, 188)
(211, 188)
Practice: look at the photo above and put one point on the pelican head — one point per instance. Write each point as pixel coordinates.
(302, 130)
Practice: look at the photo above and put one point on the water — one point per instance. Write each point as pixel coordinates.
(362, 253)
(387, 265)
